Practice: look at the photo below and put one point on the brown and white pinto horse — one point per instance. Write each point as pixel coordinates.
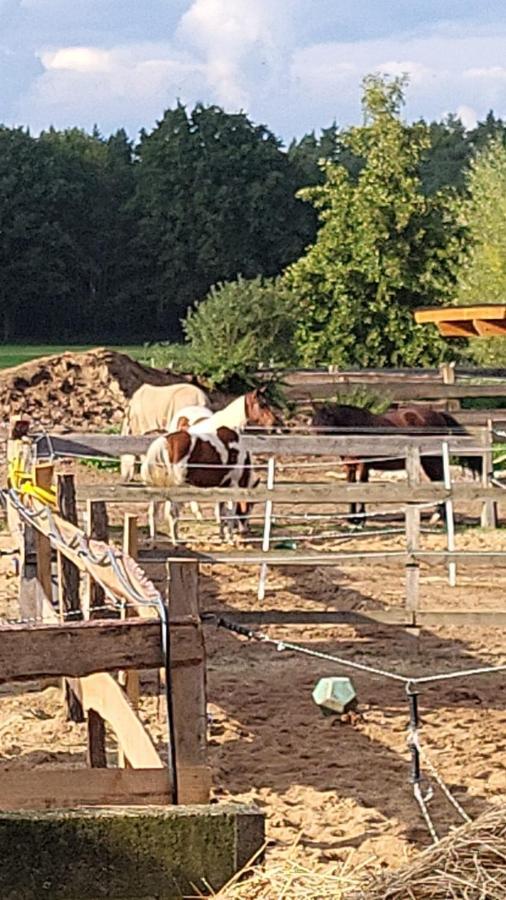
(209, 455)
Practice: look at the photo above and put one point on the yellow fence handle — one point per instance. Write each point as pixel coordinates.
(22, 481)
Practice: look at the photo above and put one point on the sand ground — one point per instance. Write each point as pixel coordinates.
(336, 786)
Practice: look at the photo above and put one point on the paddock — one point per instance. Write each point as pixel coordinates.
(379, 601)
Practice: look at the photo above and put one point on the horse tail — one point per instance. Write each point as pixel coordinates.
(472, 463)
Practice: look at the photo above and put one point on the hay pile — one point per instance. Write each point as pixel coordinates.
(469, 864)
(76, 390)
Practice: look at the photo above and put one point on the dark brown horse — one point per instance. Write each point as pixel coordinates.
(332, 418)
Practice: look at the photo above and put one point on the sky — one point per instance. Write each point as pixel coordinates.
(294, 65)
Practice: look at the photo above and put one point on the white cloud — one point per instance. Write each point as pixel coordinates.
(240, 42)
(467, 116)
(490, 73)
(78, 59)
(104, 84)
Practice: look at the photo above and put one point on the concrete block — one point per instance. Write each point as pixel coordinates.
(146, 853)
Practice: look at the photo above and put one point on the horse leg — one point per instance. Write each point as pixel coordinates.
(152, 517)
(363, 478)
(432, 466)
(127, 467)
(354, 473)
(171, 516)
(196, 511)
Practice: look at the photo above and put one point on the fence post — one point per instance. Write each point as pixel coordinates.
(450, 522)
(97, 528)
(489, 509)
(271, 470)
(447, 371)
(68, 582)
(129, 679)
(18, 448)
(43, 478)
(412, 526)
(187, 686)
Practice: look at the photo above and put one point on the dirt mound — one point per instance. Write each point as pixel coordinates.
(76, 390)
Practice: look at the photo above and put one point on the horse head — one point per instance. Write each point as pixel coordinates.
(258, 409)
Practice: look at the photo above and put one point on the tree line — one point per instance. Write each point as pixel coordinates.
(104, 239)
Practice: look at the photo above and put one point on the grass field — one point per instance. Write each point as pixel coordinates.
(15, 354)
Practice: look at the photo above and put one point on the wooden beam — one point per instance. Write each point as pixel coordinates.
(486, 327)
(461, 313)
(261, 617)
(188, 690)
(383, 442)
(80, 648)
(97, 527)
(63, 787)
(96, 751)
(69, 599)
(105, 696)
(457, 329)
(427, 618)
(315, 558)
(129, 679)
(287, 492)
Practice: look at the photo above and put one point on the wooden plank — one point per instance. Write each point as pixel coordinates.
(382, 443)
(325, 389)
(487, 327)
(461, 313)
(43, 477)
(105, 696)
(96, 753)
(62, 788)
(457, 329)
(433, 618)
(315, 558)
(428, 618)
(129, 680)
(97, 527)
(81, 648)
(261, 617)
(188, 690)
(69, 600)
(287, 492)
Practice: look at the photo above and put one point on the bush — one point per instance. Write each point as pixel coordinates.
(237, 328)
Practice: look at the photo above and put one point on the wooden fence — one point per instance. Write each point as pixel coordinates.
(409, 495)
(71, 583)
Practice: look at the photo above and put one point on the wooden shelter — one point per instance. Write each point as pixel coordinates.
(482, 320)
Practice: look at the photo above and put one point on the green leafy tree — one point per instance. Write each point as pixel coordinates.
(238, 327)
(482, 268)
(32, 241)
(215, 197)
(383, 248)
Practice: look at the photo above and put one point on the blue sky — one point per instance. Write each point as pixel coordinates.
(294, 65)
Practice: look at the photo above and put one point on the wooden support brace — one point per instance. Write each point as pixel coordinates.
(188, 683)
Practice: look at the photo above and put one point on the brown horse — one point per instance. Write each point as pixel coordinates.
(332, 418)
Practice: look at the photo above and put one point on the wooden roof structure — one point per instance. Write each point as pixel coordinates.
(482, 320)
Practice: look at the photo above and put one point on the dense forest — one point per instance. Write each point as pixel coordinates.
(104, 239)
